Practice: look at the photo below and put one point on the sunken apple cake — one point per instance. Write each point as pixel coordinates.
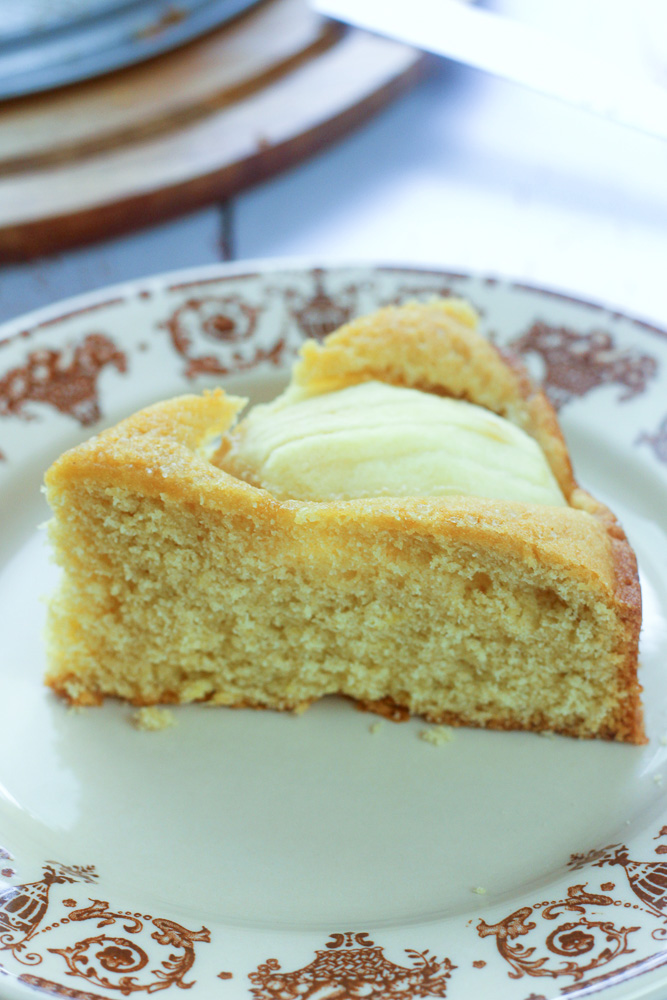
(401, 526)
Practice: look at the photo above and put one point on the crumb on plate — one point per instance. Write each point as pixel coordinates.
(153, 718)
(437, 735)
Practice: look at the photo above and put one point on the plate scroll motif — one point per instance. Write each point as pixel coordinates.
(601, 921)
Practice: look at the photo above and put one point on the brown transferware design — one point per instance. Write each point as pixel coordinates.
(353, 966)
(647, 879)
(575, 363)
(205, 323)
(210, 333)
(320, 313)
(581, 945)
(573, 948)
(113, 962)
(65, 379)
(24, 907)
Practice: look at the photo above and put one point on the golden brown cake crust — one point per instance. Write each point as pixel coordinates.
(160, 454)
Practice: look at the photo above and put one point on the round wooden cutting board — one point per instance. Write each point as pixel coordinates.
(188, 128)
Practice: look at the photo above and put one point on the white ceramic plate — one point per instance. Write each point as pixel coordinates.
(252, 854)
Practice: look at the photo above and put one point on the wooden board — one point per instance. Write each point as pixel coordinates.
(191, 127)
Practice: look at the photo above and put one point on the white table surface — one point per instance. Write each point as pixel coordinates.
(465, 172)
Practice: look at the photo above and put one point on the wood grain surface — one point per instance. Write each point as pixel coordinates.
(191, 127)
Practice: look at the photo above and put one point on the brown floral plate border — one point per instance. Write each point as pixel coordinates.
(502, 865)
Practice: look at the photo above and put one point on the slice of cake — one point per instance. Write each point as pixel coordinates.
(401, 526)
